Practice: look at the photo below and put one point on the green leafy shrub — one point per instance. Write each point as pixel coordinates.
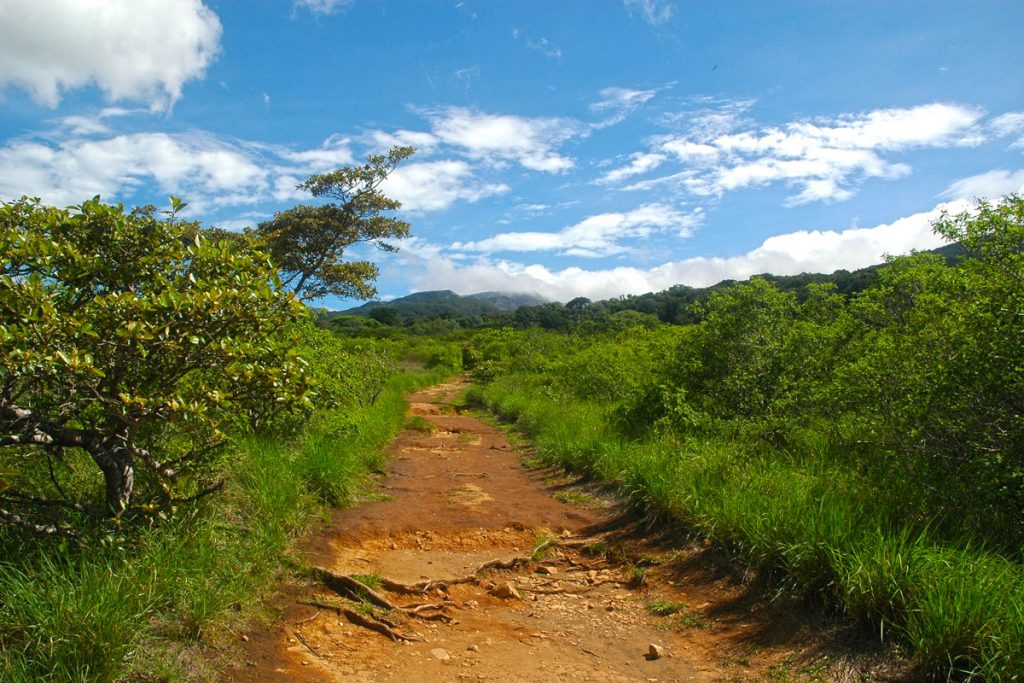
(131, 340)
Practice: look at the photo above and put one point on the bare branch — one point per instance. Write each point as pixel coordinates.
(45, 529)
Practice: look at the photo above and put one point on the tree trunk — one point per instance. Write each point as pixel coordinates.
(118, 468)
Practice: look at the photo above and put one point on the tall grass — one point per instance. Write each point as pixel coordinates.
(123, 605)
(821, 529)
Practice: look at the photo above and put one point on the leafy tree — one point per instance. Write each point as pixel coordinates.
(737, 364)
(127, 341)
(937, 385)
(308, 242)
(385, 315)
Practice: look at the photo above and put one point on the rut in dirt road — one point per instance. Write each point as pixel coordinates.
(443, 580)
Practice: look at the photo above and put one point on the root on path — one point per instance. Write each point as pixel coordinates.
(353, 589)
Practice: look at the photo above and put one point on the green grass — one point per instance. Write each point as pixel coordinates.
(664, 608)
(136, 606)
(419, 423)
(577, 498)
(806, 519)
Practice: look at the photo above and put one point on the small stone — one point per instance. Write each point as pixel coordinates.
(609, 608)
(655, 651)
(245, 639)
(506, 591)
(544, 569)
(474, 648)
(440, 654)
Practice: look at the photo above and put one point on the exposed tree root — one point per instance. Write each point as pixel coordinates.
(574, 590)
(371, 623)
(376, 625)
(346, 586)
(309, 647)
(350, 587)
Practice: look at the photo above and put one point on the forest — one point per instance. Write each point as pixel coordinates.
(172, 411)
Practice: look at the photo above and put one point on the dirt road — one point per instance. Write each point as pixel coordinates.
(450, 556)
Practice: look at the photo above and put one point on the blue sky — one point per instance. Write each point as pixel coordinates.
(590, 148)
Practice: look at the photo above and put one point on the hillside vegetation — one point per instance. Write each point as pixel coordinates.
(172, 419)
(867, 451)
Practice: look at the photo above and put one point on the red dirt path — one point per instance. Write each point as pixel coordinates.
(459, 496)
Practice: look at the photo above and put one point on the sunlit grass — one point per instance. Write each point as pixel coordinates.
(806, 518)
(111, 611)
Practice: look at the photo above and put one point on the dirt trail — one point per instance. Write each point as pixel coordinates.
(583, 609)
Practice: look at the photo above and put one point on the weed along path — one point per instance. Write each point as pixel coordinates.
(473, 567)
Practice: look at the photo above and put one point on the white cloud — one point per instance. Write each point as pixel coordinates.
(194, 166)
(1010, 125)
(531, 142)
(207, 172)
(789, 254)
(436, 185)
(333, 153)
(640, 164)
(708, 117)
(383, 141)
(653, 11)
(618, 103)
(596, 236)
(322, 6)
(991, 185)
(142, 50)
(822, 160)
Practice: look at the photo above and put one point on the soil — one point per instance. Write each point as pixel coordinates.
(604, 599)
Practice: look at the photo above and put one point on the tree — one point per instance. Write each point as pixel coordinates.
(308, 242)
(126, 340)
(385, 315)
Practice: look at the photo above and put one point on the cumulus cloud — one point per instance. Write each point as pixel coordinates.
(991, 185)
(531, 142)
(596, 236)
(818, 251)
(436, 185)
(654, 12)
(191, 165)
(822, 160)
(207, 171)
(334, 152)
(141, 50)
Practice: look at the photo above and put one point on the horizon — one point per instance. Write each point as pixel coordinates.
(594, 150)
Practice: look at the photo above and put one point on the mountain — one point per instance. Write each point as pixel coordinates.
(505, 301)
(447, 304)
(673, 305)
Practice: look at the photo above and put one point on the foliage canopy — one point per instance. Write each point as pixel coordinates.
(128, 339)
(308, 242)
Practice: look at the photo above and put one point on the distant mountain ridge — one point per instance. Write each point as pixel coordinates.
(446, 303)
(672, 305)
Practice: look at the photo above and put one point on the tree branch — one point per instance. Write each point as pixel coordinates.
(45, 529)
